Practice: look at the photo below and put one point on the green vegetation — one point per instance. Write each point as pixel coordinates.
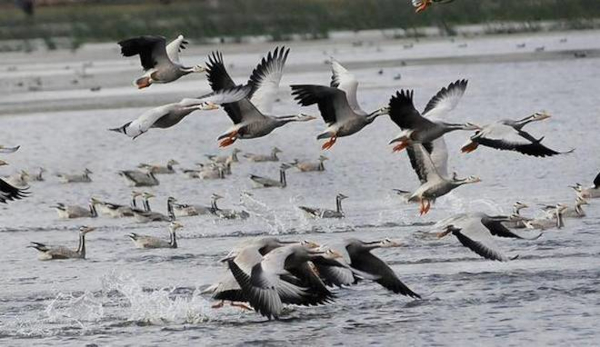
(114, 20)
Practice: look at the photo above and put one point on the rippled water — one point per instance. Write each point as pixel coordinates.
(124, 296)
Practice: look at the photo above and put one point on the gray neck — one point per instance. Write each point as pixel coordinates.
(170, 211)
(173, 240)
(338, 205)
(372, 116)
(147, 205)
(81, 246)
(559, 219)
(93, 211)
(213, 204)
(282, 179)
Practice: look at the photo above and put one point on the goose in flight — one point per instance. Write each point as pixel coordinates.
(363, 260)
(10, 193)
(74, 211)
(166, 116)
(7, 150)
(137, 178)
(428, 127)
(75, 178)
(266, 182)
(251, 115)
(591, 192)
(434, 179)
(326, 213)
(183, 210)
(61, 252)
(508, 135)
(310, 166)
(159, 60)
(225, 214)
(337, 104)
(475, 231)
(283, 276)
(144, 241)
(261, 158)
(421, 5)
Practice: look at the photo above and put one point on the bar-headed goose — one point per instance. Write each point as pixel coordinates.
(62, 252)
(421, 5)
(310, 166)
(260, 158)
(549, 222)
(144, 241)
(137, 178)
(251, 115)
(159, 169)
(575, 211)
(74, 211)
(226, 214)
(326, 213)
(183, 210)
(75, 178)
(7, 150)
(147, 215)
(591, 192)
(232, 158)
(10, 193)
(166, 116)
(160, 62)
(283, 276)
(111, 210)
(266, 182)
(516, 220)
(508, 135)
(428, 127)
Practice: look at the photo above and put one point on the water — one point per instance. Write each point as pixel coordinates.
(124, 296)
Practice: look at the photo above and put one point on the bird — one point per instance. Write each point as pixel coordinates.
(590, 192)
(309, 166)
(434, 184)
(11, 193)
(61, 252)
(475, 231)
(363, 260)
(508, 135)
(144, 241)
(516, 221)
(183, 210)
(226, 214)
(232, 158)
(75, 178)
(548, 223)
(169, 115)
(260, 158)
(19, 180)
(283, 276)
(326, 213)
(112, 210)
(138, 178)
(158, 169)
(421, 5)
(416, 127)
(265, 182)
(7, 150)
(160, 62)
(211, 172)
(251, 115)
(74, 211)
(39, 177)
(337, 104)
(576, 211)
(147, 215)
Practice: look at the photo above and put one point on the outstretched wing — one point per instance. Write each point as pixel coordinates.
(344, 80)
(265, 79)
(9, 193)
(445, 100)
(423, 165)
(332, 102)
(175, 47)
(151, 49)
(403, 112)
(219, 97)
(506, 138)
(597, 181)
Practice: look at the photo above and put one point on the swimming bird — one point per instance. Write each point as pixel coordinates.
(226, 214)
(18, 180)
(10, 193)
(251, 115)
(575, 211)
(283, 276)
(590, 192)
(74, 211)
(159, 169)
(309, 166)
(39, 177)
(421, 5)
(75, 178)
(259, 158)
(326, 213)
(363, 260)
(433, 183)
(144, 241)
(211, 172)
(338, 114)
(508, 135)
(232, 158)
(516, 221)
(7, 150)
(138, 178)
(166, 116)
(112, 210)
(475, 231)
(147, 215)
(61, 252)
(184, 210)
(428, 127)
(265, 182)
(160, 62)
(548, 223)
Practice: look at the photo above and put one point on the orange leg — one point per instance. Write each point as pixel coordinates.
(219, 305)
(143, 82)
(399, 147)
(242, 306)
(330, 143)
(423, 6)
(427, 206)
(470, 147)
(231, 137)
(421, 207)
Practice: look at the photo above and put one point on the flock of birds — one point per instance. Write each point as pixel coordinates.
(266, 273)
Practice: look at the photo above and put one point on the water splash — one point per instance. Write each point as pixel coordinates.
(263, 212)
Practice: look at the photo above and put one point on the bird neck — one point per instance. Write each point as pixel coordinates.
(372, 116)
(133, 202)
(93, 211)
(321, 165)
(147, 205)
(170, 211)
(81, 246)
(234, 157)
(173, 240)
(522, 122)
(338, 205)
(559, 219)
(274, 156)
(282, 179)
(213, 204)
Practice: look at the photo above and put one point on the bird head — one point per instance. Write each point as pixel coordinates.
(323, 158)
(540, 116)
(207, 106)
(215, 196)
(84, 229)
(387, 243)
(342, 196)
(173, 162)
(175, 226)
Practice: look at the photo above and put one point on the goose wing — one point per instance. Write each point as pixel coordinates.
(219, 97)
(404, 114)
(445, 100)
(6, 150)
(344, 80)
(175, 47)
(496, 228)
(506, 138)
(423, 164)
(151, 49)
(9, 193)
(265, 79)
(597, 181)
(332, 102)
(476, 237)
